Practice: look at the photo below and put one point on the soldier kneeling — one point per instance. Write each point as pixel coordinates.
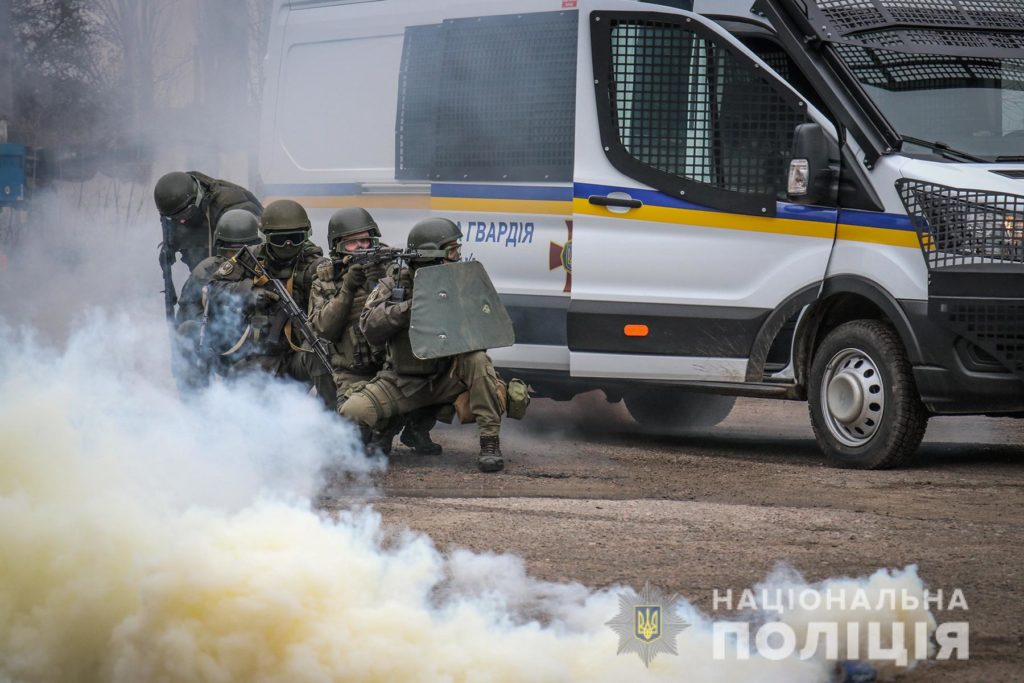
(408, 383)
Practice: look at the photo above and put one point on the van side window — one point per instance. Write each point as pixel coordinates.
(684, 113)
(488, 98)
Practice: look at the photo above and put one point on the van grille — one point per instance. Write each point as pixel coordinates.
(964, 227)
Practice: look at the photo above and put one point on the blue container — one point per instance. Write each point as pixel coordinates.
(12, 174)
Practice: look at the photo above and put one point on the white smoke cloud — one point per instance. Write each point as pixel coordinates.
(149, 538)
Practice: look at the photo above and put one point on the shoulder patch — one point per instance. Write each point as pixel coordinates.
(226, 269)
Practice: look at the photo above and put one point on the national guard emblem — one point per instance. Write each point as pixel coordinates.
(647, 623)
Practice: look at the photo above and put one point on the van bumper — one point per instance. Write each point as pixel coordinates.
(954, 375)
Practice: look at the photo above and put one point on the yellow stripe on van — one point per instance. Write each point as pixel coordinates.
(501, 205)
(893, 238)
(714, 219)
(779, 226)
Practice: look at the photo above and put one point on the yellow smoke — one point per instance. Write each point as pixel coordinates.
(146, 539)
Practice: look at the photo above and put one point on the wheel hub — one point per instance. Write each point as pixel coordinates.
(853, 396)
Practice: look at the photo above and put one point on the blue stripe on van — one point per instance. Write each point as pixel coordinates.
(874, 219)
(867, 219)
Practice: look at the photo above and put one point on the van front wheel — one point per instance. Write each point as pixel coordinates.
(865, 409)
(674, 411)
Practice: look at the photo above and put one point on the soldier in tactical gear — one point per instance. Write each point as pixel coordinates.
(266, 341)
(336, 299)
(191, 205)
(408, 383)
(235, 229)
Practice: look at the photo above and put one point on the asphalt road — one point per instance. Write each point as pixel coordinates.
(586, 493)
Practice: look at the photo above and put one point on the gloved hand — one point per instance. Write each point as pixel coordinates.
(264, 298)
(374, 273)
(354, 277)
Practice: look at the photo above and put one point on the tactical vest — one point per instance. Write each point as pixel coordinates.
(355, 352)
(400, 355)
(271, 333)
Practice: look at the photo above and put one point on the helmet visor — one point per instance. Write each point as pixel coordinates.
(184, 215)
(284, 239)
(348, 245)
(453, 252)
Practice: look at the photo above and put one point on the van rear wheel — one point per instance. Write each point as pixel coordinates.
(864, 405)
(675, 411)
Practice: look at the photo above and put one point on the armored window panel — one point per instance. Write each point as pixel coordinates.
(919, 25)
(489, 98)
(683, 112)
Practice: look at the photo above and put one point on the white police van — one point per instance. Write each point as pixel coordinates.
(686, 201)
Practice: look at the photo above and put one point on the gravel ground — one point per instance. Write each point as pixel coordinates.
(586, 493)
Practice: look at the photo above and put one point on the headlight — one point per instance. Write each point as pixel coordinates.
(1013, 227)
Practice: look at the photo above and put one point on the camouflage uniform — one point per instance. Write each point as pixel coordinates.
(271, 346)
(407, 383)
(334, 313)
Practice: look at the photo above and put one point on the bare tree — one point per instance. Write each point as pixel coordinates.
(133, 32)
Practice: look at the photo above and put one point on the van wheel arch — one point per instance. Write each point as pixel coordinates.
(842, 300)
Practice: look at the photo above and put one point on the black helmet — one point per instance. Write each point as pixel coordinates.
(433, 238)
(175, 192)
(286, 226)
(235, 228)
(286, 215)
(350, 221)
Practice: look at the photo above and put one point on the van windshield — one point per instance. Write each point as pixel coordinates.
(957, 106)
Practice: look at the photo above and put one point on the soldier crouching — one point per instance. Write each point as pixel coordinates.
(336, 299)
(408, 383)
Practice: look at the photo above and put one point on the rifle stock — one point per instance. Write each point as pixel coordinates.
(167, 260)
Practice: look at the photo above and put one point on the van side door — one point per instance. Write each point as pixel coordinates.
(685, 248)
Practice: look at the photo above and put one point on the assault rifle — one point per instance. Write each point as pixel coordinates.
(370, 257)
(166, 261)
(296, 315)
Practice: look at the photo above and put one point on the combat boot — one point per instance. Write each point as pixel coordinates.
(419, 441)
(490, 454)
(381, 442)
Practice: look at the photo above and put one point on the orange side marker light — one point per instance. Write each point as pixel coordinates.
(636, 330)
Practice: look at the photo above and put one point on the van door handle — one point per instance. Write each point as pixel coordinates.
(623, 202)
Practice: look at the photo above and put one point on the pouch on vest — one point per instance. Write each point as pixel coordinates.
(518, 399)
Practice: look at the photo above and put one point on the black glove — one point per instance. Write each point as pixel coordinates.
(355, 276)
(374, 273)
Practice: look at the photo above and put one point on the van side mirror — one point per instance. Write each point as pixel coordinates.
(814, 167)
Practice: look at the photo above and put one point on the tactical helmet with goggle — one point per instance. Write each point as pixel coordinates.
(286, 226)
(435, 238)
(351, 221)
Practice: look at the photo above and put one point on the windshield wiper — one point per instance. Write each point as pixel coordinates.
(943, 149)
(1010, 159)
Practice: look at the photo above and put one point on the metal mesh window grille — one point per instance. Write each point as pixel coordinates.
(849, 16)
(922, 25)
(488, 98)
(688, 107)
(908, 71)
(965, 227)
